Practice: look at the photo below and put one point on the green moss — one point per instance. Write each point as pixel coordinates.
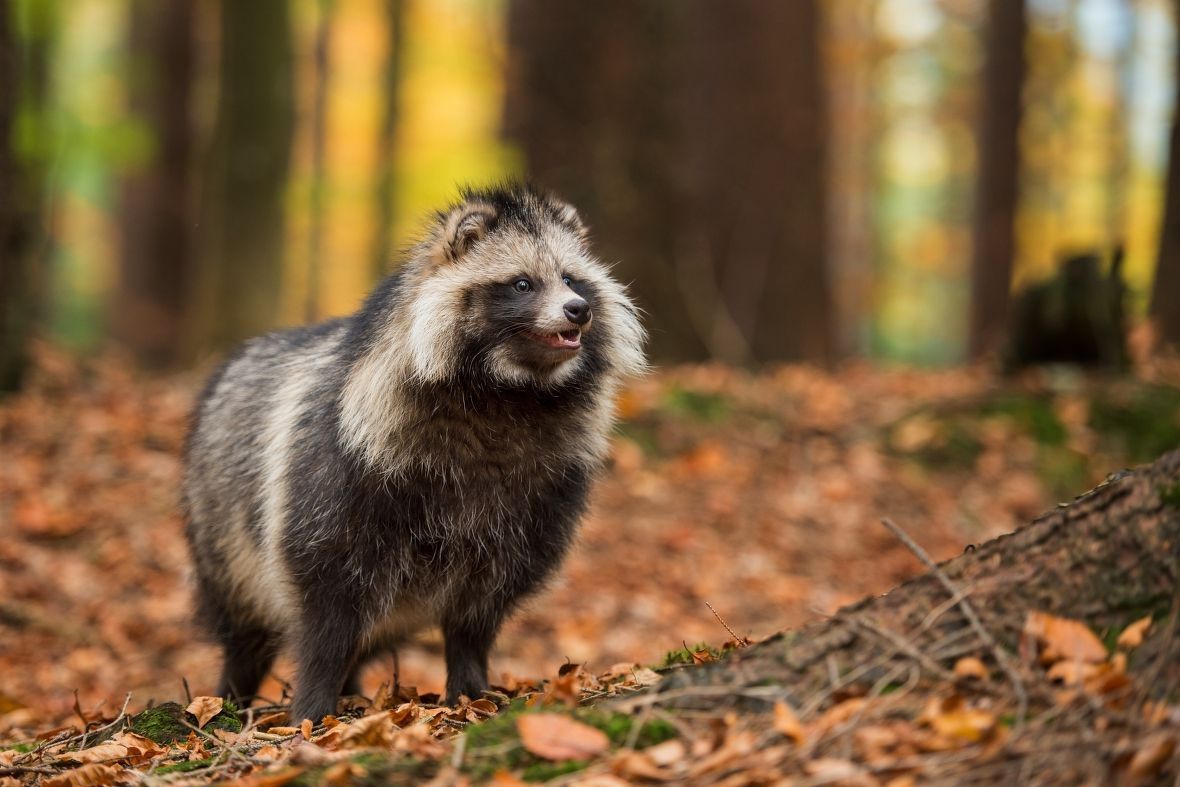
(1065, 472)
(22, 748)
(696, 405)
(167, 723)
(644, 434)
(618, 728)
(1141, 422)
(1033, 415)
(185, 767)
(544, 771)
(379, 769)
(1170, 495)
(494, 744)
(684, 655)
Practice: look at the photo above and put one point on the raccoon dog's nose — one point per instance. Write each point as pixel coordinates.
(577, 311)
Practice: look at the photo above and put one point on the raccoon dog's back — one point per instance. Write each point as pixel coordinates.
(422, 461)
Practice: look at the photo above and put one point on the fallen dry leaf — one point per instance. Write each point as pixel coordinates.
(1063, 639)
(787, 723)
(1154, 752)
(375, 730)
(104, 752)
(506, 779)
(971, 667)
(557, 737)
(637, 765)
(205, 708)
(953, 719)
(1132, 636)
(86, 776)
(667, 753)
(305, 727)
(835, 716)
(139, 745)
(832, 769)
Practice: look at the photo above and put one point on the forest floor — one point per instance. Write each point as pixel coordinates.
(737, 505)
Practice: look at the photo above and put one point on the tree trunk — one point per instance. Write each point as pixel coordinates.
(1165, 297)
(1109, 558)
(155, 278)
(691, 136)
(24, 84)
(242, 235)
(998, 172)
(383, 251)
(319, 117)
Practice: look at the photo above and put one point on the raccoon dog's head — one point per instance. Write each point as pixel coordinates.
(506, 287)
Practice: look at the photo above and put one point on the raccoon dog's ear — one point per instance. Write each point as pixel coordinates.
(567, 214)
(461, 228)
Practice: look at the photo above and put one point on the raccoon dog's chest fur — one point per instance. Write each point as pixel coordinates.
(423, 461)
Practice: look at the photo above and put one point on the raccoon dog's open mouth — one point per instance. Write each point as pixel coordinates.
(565, 340)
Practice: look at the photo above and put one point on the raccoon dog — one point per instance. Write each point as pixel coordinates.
(423, 461)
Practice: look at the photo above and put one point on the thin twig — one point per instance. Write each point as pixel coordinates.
(637, 726)
(764, 692)
(740, 640)
(16, 770)
(232, 750)
(119, 718)
(969, 612)
(188, 695)
(457, 754)
(901, 645)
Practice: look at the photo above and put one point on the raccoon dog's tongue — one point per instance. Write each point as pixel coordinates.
(565, 340)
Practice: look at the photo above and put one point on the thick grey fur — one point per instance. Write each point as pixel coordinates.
(419, 462)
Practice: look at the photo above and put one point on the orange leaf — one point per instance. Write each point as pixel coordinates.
(557, 737)
(85, 776)
(306, 727)
(837, 715)
(376, 730)
(970, 667)
(105, 752)
(1154, 752)
(787, 723)
(205, 708)
(1132, 636)
(1064, 639)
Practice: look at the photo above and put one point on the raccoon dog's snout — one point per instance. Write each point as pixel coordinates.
(577, 311)
(421, 462)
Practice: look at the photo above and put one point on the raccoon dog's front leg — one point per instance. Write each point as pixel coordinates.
(469, 639)
(327, 653)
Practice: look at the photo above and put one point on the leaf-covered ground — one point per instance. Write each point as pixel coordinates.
(760, 495)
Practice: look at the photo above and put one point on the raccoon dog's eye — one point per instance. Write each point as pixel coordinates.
(567, 281)
(522, 285)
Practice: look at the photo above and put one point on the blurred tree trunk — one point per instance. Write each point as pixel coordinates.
(383, 251)
(319, 118)
(242, 232)
(998, 168)
(1165, 297)
(691, 135)
(155, 278)
(24, 85)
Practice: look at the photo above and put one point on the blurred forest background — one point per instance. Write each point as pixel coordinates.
(806, 180)
(882, 190)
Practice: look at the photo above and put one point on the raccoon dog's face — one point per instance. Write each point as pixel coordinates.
(510, 287)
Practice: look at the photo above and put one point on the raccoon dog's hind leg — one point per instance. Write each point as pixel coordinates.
(249, 649)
